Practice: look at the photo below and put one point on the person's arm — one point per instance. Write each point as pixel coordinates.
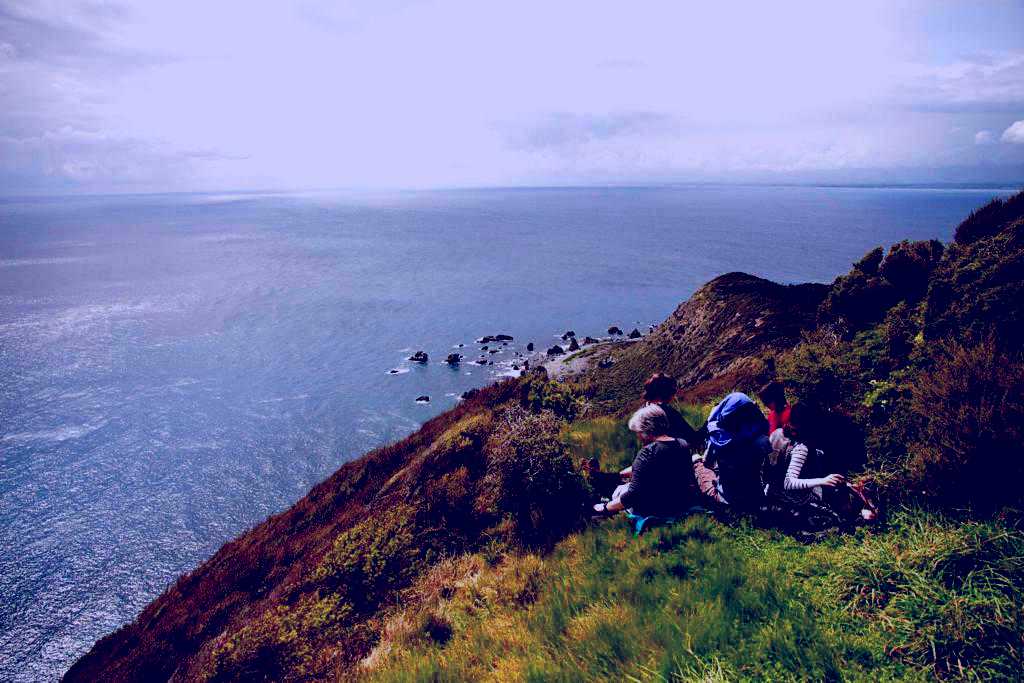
(628, 497)
(793, 482)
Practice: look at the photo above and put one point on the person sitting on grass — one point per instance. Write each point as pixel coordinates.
(798, 471)
(730, 472)
(661, 483)
(660, 390)
(773, 396)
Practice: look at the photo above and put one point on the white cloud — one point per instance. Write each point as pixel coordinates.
(984, 137)
(983, 83)
(1015, 133)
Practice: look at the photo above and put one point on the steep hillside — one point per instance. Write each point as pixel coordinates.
(721, 336)
(457, 552)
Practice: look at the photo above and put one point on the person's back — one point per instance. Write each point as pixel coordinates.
(738, 446)
(660, 390)
(679, 428)
(662, 481)
(739, 471)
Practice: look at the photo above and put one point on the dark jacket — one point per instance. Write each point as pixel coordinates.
(679, 428)
(662, 483)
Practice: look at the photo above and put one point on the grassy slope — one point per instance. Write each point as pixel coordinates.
(706, 601)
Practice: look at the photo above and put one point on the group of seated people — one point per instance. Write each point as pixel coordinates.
(739, 460)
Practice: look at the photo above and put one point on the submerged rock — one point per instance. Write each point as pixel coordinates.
(453, 359)
(504, 337)
(423, 399)
(419, 357)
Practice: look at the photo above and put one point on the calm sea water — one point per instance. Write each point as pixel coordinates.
(175, 368)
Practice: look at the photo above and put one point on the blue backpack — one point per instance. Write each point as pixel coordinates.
(737, 446)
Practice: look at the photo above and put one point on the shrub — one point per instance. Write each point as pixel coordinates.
(530, 478)
(822, 370)
(989, 219)
(373, 557)
(860, 297)
(971, 447)
(908, 265)
(875, 284)
(978, 290)
(277, 645)
(563, 399)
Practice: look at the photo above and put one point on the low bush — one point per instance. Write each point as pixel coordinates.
(862, 296)
(978, 289)
(908, 265)
(531, 481)
(970, 451)
(989, 219)
(561, 398)
(822, 370)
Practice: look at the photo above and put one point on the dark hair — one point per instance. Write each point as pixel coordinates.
(772, 392)
(660, 387)
(806, 420)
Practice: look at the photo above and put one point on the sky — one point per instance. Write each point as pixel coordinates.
(230, 95)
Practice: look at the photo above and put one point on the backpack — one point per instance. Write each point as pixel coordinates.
(737, 447)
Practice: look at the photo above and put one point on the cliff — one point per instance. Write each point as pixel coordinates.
(457, 552)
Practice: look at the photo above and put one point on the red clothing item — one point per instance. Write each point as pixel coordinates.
(776, 419)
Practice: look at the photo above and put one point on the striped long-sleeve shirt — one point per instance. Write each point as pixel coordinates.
(797, 458)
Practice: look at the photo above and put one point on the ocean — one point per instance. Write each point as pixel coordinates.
(175, 368)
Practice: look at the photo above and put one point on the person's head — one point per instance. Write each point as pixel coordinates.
(803, 422)
(660, 388)
(649, 423)
(773, 395)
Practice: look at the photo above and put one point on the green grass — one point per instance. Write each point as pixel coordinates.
(927, 598)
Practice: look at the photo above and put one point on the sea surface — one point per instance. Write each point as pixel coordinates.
(174, 368)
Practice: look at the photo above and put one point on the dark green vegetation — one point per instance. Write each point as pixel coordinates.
(460, 552)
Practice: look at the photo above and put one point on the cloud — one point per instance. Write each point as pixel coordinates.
(564, 131)
(984, 137)
(985, 83)
(1015, 133)
(70, 157)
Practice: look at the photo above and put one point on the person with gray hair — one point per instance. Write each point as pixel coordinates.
(661, 483)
